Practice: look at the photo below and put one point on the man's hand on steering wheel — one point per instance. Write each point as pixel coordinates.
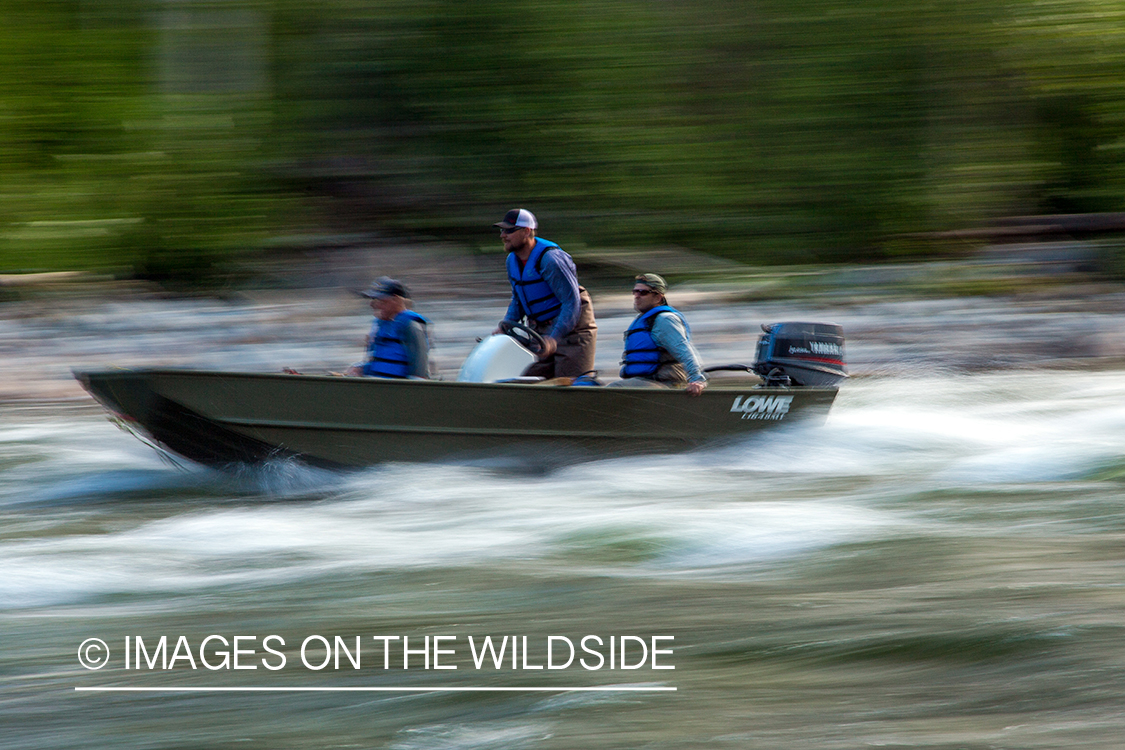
(549, 347)
(531, 339)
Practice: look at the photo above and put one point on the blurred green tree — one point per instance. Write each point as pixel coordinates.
(164, 139)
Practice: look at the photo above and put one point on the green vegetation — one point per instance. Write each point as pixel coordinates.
(166, 140)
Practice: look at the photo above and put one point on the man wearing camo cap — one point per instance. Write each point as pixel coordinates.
(658, 346)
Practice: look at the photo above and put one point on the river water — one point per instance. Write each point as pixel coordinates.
(940, 565)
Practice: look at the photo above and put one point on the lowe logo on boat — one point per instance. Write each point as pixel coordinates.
(762, 407)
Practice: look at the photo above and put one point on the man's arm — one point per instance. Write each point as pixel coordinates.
(559, 273)
(515, 312)
(417, 350)
(669, 333)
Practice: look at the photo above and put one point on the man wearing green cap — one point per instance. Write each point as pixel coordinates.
(658, 346)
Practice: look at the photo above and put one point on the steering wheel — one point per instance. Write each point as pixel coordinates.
(529, 338)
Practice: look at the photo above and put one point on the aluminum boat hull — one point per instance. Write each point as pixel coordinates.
(225, 418)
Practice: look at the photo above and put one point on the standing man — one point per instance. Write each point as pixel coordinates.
(398, 345)
(545, 291)
(658, 342)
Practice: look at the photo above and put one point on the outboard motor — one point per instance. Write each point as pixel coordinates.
(809, 354)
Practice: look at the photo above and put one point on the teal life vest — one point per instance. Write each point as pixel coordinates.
(387, 351)
(534, 294)
(642, 356)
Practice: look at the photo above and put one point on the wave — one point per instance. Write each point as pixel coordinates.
(889, 448)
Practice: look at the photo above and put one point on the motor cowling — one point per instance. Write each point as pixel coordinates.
(809, 354)
(494, 359)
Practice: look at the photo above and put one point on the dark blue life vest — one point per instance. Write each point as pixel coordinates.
(387, 352)
(642, 356)
(534, 294)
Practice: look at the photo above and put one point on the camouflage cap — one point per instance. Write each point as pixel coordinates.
(653, 282)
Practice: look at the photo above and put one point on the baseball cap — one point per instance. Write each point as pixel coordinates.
(653, 282)
(518, 217)
(385, 287)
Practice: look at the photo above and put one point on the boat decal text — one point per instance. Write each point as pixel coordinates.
(762, 407)
(818, 347)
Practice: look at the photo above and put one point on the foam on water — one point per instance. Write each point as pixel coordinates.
(475, 736)
(779, 495)
(441, 520)
(1024, 426)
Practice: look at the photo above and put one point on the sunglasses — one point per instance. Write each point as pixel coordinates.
(513, 230)
(642, 292)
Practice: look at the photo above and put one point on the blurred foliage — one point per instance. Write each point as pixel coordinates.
(167, 138)
(112, 158)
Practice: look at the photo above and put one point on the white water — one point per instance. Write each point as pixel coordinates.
(938, 566)
(731, 511)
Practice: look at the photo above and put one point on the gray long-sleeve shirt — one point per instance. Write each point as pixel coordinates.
(417, 346)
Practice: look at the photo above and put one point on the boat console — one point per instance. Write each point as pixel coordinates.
(497, 358)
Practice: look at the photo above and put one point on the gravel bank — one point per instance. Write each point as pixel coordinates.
(321, 328)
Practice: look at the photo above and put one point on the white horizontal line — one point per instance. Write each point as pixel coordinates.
(374, 689)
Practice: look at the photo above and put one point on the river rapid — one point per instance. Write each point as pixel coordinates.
(940, 565)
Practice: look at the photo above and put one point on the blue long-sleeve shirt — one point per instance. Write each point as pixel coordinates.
(669, 334)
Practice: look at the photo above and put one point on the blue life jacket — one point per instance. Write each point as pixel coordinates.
(534, 294)
(387, 350)
(642, 356)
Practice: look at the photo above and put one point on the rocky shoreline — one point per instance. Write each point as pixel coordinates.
(891, 329)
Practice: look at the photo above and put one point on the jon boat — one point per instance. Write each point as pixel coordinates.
(229, 418)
